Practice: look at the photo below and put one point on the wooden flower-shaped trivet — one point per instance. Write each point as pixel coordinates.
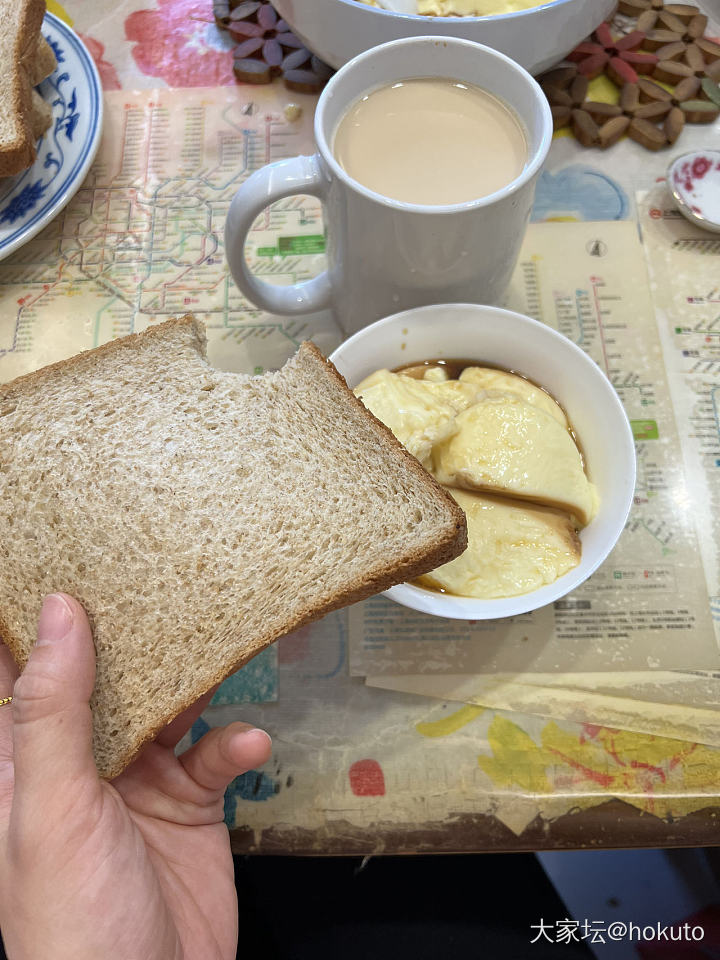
(672, 22)
(636, 8)
(667, 75)
(619, 58)
(267, 47)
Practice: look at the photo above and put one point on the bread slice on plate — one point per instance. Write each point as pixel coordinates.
(44, 62)
(40, 115)
(198, 515)
(20, 22)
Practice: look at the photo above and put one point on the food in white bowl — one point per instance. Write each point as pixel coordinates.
(536, 38)
(514, 547)
(473, 8)
(496, 338)
(455, 8)
(488, 435)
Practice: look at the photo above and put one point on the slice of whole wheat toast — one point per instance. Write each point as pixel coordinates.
(198, 515)
(20, 22)
(44, 62)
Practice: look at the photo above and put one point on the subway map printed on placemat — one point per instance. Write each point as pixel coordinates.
(142, 240)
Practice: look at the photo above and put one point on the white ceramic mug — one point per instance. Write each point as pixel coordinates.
(385, 255)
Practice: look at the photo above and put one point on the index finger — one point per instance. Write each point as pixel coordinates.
(176, 730)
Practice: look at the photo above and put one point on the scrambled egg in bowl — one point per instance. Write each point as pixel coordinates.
(468, 8)
(505, 451)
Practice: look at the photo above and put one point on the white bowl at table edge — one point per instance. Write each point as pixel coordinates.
(511, 340)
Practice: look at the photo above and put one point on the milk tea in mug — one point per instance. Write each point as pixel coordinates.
(431, 141)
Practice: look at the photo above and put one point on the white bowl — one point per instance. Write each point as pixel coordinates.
(502, 338)
(337, 30)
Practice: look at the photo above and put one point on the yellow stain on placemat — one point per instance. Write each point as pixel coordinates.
(600, 90)
(59, 11)
(655, 774)
(603, 90)
(517, 760)
(447, 725)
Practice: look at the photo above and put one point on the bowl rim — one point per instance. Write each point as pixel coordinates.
(529, 171)
(475, 608)
(425, 16)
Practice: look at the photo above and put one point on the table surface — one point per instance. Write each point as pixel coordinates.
(359, 769)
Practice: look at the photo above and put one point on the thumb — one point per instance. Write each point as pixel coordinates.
(52, 730)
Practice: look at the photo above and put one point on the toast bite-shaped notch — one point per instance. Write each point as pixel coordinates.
(198, 515)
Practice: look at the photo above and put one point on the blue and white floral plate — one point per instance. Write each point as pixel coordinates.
(31, 199)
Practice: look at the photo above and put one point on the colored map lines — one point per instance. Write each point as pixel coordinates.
(683, 267)
(143, 239)
(702, 245)
(588, 281)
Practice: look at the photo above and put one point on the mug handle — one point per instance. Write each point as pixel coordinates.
(274, 182)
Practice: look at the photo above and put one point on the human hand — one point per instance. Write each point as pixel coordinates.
(136, 869)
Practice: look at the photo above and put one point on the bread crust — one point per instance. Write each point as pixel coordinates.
(449, 542)
(19, 153)
(387, 437)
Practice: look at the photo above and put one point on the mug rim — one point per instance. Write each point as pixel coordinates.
(524, 177)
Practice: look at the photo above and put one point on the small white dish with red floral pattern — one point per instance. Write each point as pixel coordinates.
(694, 181)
